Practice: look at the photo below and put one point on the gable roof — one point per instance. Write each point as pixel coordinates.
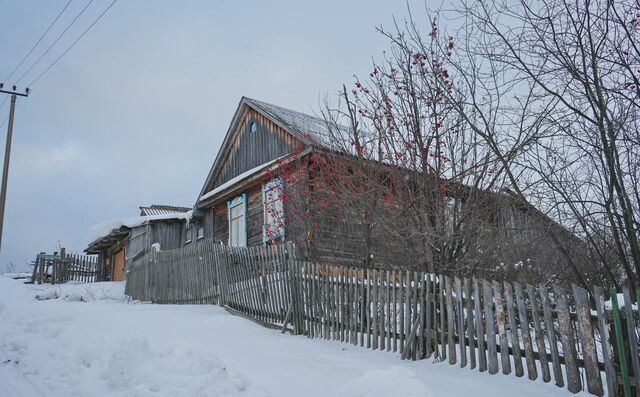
(158, 209)
(307, 129)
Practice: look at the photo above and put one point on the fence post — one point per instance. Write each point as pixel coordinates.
(61, 268)
(294, 288)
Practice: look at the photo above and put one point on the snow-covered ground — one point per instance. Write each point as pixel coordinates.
(88, 340)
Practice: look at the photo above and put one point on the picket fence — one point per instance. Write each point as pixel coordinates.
(578, 339)
(61, 267)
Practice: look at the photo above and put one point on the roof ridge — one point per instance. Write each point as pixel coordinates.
(259, 102)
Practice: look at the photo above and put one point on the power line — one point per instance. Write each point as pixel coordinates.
(38, 42)
(72, 44)
(56, 40)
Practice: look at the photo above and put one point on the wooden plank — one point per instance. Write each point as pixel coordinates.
(326, 303)
(450, 321)
(492, 356)
(502, 329)
(622, 358)
(460, 316)
(568, 341)
(374, 309)
(306, 292)
(381, 310)
(363, 308)
(428, 302)
(401, 309)
(632, 342)
(539, 335)
(422, 300)
(388, 300)
(468, 290)
(408, 317)
(316, 301)
(368, 308)
(477, 305)
(351, 305)
(532, 371)
(414, 315)
(345, 304)
(353, 279)
(587, 340)
(443, 317)
(607, 353)
(551, 335)
(393, 330)
(513, 329)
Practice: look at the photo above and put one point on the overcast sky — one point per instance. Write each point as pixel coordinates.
(134, 114)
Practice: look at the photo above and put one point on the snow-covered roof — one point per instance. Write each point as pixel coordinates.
(237, 179)
(103, 229)
(307, 128)
(157, 209)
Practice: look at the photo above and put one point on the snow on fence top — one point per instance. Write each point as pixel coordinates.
(103, 229)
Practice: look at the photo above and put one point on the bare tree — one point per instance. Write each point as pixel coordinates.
(572, 72)
(407, 178)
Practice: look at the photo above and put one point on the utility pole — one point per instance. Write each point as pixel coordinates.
(7, 150)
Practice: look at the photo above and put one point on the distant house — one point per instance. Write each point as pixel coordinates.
(118, 242)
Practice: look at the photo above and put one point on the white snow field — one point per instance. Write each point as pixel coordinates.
(87, 340)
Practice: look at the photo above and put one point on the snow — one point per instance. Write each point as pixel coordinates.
(89, 340)
(609, 305)
(104, 228)
(237, 179)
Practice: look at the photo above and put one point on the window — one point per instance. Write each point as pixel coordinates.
(272, 200)
(188, 232)
(237, 221)
(254, 127)
(200, 232)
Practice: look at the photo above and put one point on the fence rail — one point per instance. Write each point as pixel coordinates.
(578, 339)
(62, 267)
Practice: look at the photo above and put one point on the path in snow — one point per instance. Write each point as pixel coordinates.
(85, 340)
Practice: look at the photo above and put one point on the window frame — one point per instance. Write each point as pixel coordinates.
(189, 234)
(231, 204)
(200, 232)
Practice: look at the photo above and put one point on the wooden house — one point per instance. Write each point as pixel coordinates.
(241, 203)
(118, 242)
(249, 198)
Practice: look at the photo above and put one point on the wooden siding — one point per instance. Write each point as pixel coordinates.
(138, 241)
(167, 234)
(219, 223)
(255, 216)
(248, 150)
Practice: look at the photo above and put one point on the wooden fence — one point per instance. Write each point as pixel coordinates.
(61, 268)
(578, 339)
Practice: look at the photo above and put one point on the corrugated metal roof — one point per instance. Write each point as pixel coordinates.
(157, 209)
